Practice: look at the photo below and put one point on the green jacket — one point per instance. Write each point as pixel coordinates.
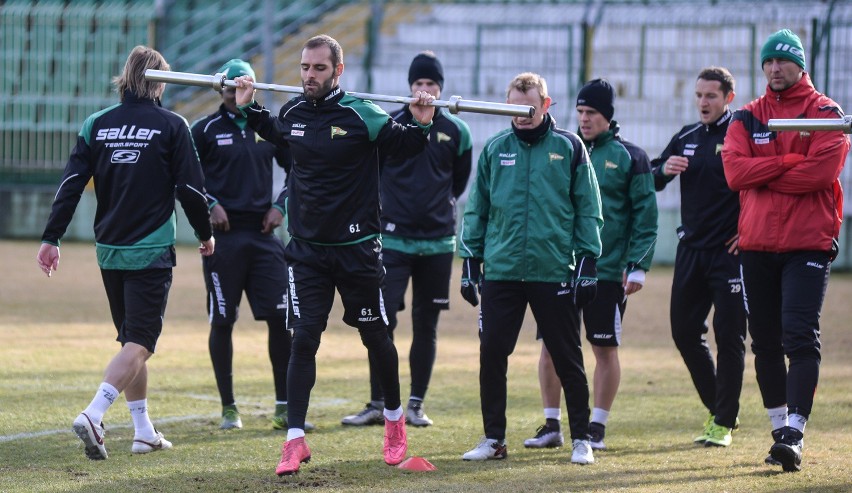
(533, 208)
(629, 204)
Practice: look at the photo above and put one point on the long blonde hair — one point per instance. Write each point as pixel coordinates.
(132, 78)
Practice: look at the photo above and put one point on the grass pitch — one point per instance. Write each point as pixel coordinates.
(56, 337)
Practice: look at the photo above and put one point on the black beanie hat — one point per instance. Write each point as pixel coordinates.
(426, 66)
(599, 95)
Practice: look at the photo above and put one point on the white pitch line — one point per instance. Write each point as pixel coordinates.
(320, 403)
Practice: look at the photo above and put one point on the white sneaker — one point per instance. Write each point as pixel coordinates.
(582, 453)
(92, 436)
(159, 442)
(487, 448)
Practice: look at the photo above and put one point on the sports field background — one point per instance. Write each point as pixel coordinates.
(56, 338)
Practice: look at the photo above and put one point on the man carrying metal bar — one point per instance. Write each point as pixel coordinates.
(418, 237)
(791, 209)
(333, 209)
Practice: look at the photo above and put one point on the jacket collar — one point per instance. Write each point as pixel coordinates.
(333, 96)
(131, 97)
(721, 124)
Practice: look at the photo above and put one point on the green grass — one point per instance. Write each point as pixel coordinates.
(56, 338)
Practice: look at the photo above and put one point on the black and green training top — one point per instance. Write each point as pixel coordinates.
(336, 144)
(139, 156)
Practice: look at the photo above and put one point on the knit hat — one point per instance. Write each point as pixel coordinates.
(784, 44)
(235, 68)
(598, 94)
(426, 66)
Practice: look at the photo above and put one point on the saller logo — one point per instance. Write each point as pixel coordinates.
(791, 49)
(125, 133)
(124, 157)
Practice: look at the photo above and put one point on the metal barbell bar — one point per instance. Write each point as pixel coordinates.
(455, 104)
(843, 124)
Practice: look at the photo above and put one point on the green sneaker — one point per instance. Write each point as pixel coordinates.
(230, 418)
(279, 421)
(702, 439)
(718, 436)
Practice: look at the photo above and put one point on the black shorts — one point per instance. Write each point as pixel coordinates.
(429, 274)
(314, 271)
(247, 261)
(137, 301)
(602, 317)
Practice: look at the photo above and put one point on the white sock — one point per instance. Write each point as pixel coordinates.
(599, 415)
(394, 415)
(141, 421)
(553, 413)
(798, 422)
(104, 397)
(294, 433)
(777, 416)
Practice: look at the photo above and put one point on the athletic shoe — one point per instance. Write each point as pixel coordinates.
(718, 436)
(415, 416)
(582, 452)
(230, 418)
(776, 437)
(487, 449)
(788, 449)
(597, 432)
(702, 438)
(396, 442)
(279, 422)
(545, 436)
(293, 453)
(159, 442)
(92, 436)
(370, 415)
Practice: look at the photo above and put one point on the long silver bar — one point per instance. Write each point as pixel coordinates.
(455, 104)
(843, 124)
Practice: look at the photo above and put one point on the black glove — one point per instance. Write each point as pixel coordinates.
(470, 281)
(585, 281)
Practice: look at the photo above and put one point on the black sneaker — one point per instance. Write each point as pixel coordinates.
(776, 436)
(370, 415)
(545, 437)
(788, 449)
(597, 432)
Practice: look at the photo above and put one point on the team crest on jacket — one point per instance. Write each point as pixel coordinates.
(719, 148)
(610, 165)
(337, 131)
(258, 138)
(442, 137)
(555, 157)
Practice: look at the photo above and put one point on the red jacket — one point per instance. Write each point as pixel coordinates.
(786, 204)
